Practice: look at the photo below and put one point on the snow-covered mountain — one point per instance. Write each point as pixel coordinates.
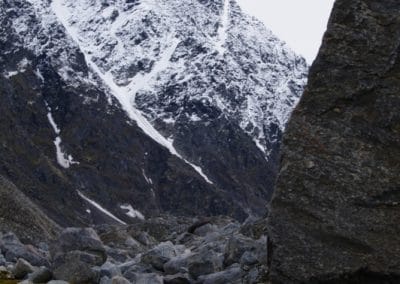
(160, 105)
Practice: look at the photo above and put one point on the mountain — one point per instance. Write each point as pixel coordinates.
(116, 110)
(335, 212)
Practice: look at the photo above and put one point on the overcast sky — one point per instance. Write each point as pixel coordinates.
(300, 23)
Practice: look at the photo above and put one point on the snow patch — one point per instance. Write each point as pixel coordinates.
(132, 212)
(99, 207)
(63, 159)
(149, 181)
(39, 75)
(10, 74)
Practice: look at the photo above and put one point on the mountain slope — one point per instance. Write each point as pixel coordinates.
(335, 212)
(158, 106)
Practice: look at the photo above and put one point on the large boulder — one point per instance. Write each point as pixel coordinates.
(336, 208)
(76, 253)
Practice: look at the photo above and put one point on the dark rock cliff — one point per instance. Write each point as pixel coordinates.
(336, 210)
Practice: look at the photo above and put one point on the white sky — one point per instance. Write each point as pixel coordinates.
(300, 23)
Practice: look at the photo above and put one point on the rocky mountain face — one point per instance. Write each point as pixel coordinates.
(335, 213)
(119, 110)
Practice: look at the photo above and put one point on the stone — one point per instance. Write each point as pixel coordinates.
(147, 278)
(203, 263)
(3, 260)
(159, 255)
(110, 270)
(231, 275)
(119, 280)
(249, 258)
(177, 279)
(57, 282)
(81, 239)
(338, 221)
(41, 275)
(178, 264)
(77, 267)
(22, 268)
(236, 246)
(13, 249)
(5, 273)
(75, 255)
(118, 255)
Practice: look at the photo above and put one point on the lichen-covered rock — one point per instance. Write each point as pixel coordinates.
(336, 210)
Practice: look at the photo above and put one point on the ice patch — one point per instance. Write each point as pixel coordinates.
(105, 211)
(132, 212)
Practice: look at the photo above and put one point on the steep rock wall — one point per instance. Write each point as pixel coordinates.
(336, 210)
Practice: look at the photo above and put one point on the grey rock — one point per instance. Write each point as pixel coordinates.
(159, 255)
(22, 268)
(57, 282)
(41, 275)
(118, 255)
(119, 280)
(2, 260)
(231, 275)
(76, 253)
(5, 273)
(177, 279)
(131, 271)
(204, 263)
(338, 221)
(110, 270)
(13, 249)
(148, 278)
(81, 239)
(77, 267)
(236, 246)
(248, 258)
(204, 230)
(178, 264)
(105, 280)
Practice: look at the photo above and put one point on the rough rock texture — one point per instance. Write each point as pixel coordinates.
(336, 210)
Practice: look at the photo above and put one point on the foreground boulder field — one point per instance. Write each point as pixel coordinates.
(336, 209)
(161, 250)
